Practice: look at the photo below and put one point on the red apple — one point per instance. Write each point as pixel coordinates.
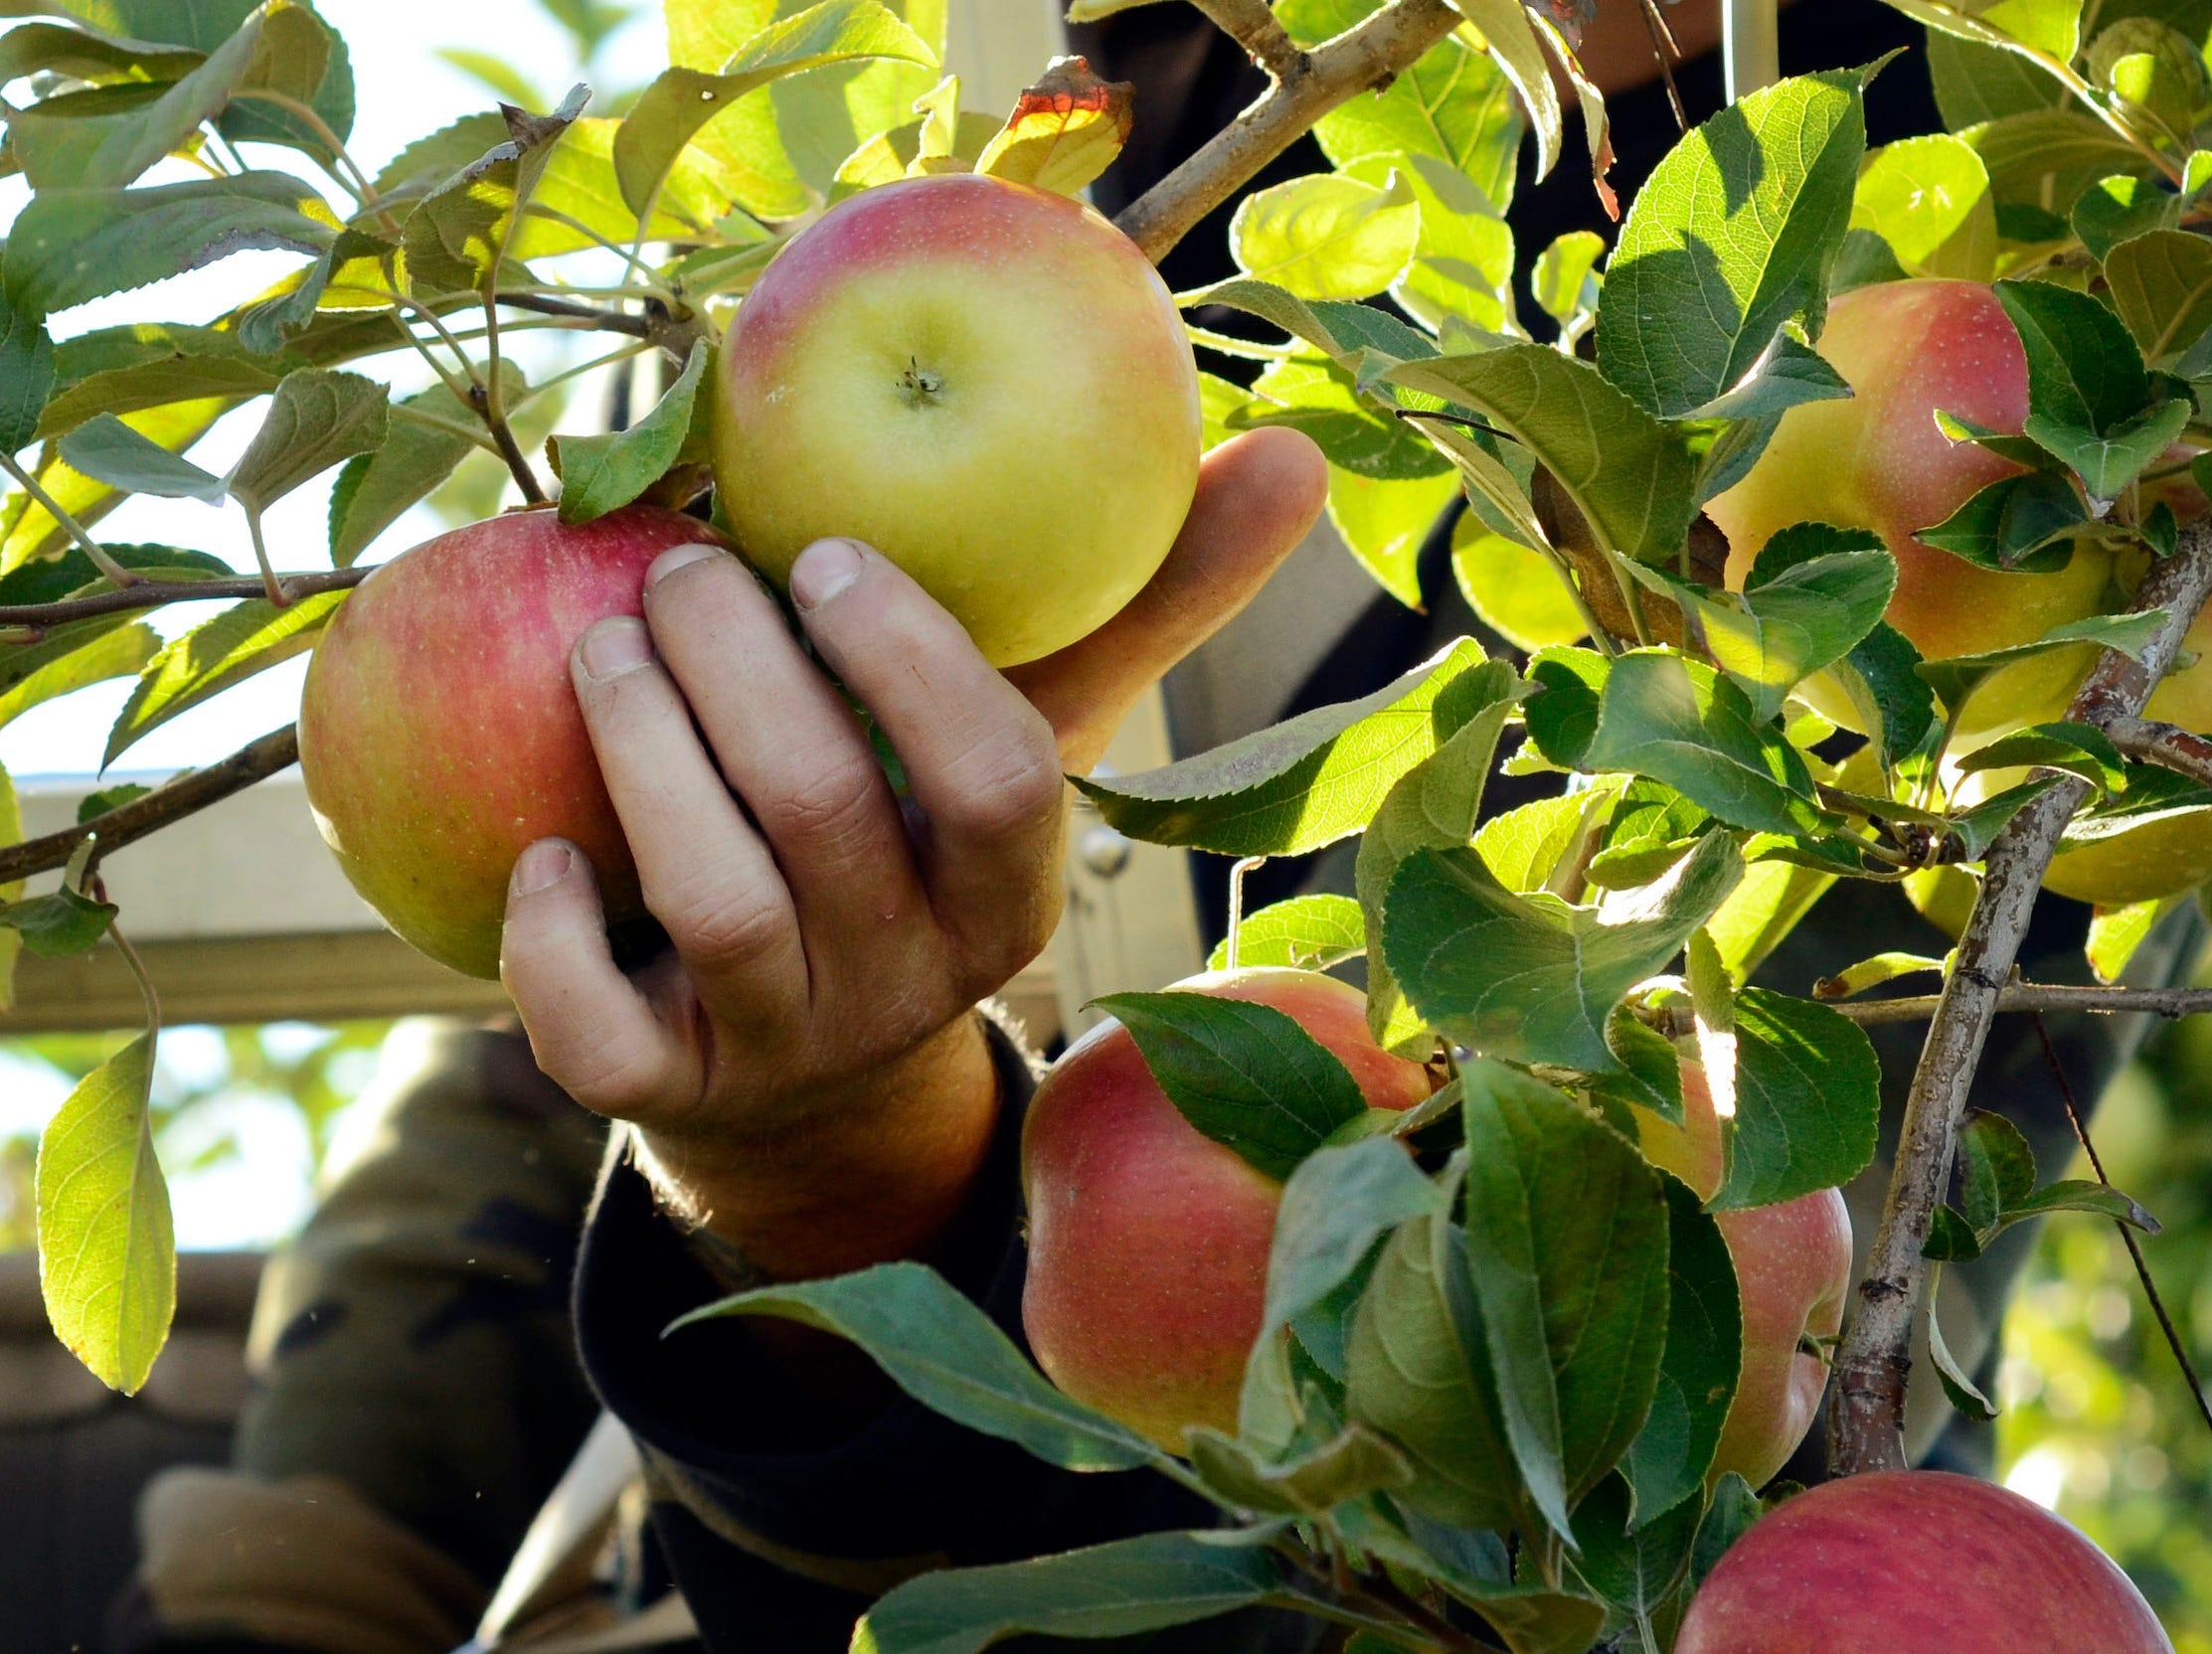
(986, 382)
(439, 734)
(1908, 350)
(1794, 1272)
(1147, 1240)
(1916, 1562)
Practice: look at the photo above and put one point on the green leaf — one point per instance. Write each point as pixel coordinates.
(244, 639)
(1337, 1203)
(374, 489)
(1728, 1517)
(1566, 280)
(463, 232)
(1666, 1463)
(316, 419)
(2116, 209)
(110, 451)
(1808, 1097)
(1348, 334)
(1471, 1567)
(1520, 592)
(939, 1348)
(1385, 523)
(96, 804)
(1976, 83)
(1954, 681)
(2089, 402)
(1563, 716)
(1874, 972)
(2018, 524)
(1785, 374)
(1526, 846)
(497, 74)
(2154, 73)
(1119, 1590)
(2161, 285)
(2046, 28)
(2114, 933)
(1415, 1369)
(1679, 721)
(1307, 932)
(1762, 912)
(1307, 781)
(1434, 805)
(81, 56)
(1633, 1559)
(26, 372)
(60, 926)
(1733, 236)
(1326, 236)
(1314, 394)
(1462, 274)
(71, 246)
(1529, 978)
(1506, 29)
(116, 654)
(2078, 749)
(1245, 1075)
(1958, 1388)
(1567, 1245)
(282, 48)
(2079, 1194)
(681, 101)
(1353, 1465)
(2049, 155)
(68, 573)
(107, 1259)
(1929, 199)
(1996, 1168)
(599, 474)
(1629, 475)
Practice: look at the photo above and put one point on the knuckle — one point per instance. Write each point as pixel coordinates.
(721, 919)
(609, 1075)
(831, 808)
(1011, 786)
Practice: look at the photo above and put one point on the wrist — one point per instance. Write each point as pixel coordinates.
(880, 1170)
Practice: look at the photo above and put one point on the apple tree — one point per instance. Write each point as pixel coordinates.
(1503, 1330)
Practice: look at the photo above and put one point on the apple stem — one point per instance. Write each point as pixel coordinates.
(1866, 1409)
(1237, 872)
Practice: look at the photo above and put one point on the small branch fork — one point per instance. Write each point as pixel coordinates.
(1305, 86)
(2165, 744)
(1867, 1408)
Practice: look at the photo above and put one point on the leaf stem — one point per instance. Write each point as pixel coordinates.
(351, 179)
(45, 502)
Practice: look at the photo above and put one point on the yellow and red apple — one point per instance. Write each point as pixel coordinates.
(1147, 1240)
(987, 383)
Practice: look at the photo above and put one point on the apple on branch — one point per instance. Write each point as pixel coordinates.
(1911, 350)
(1148, 1241)
(1916, 1562)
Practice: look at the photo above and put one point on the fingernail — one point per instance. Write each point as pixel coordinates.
(616, 646)
(822, 571)
(544, 864)
(675, 557)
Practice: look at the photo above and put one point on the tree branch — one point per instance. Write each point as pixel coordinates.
(611, 321)
(1866, 1409)
(1252, 26)
(2163, 744)
(174, 799)
(1361, 59)
(2030, 998)
(147, 593)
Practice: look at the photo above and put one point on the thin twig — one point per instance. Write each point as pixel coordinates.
(2127, 1232)
(1363, 57)
(1664, 52)
(173, 800)
(611, 321)
(1252, 26)
(2166, 745)
(68, 525)
(154, 593)
(2028, 998)
(1867, 1406)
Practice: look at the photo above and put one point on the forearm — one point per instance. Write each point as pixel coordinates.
(880, 1170)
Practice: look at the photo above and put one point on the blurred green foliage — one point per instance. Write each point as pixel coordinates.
(2094, 1408)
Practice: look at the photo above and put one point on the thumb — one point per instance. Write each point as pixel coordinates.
(1257, 495)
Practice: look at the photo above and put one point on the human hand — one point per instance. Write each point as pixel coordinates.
(802, 1066)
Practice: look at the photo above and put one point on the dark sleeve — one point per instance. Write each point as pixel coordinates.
(779, 1527)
